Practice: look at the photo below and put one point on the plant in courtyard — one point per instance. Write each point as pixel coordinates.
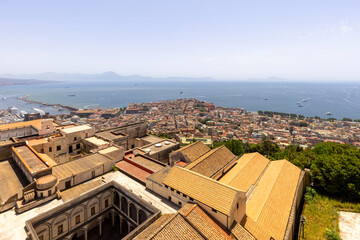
(332, 235)
(310, 195)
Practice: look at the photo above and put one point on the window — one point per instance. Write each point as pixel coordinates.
(237, 206)
(169, 198)
(49, 193)
(166, 186)
(60, 229)
(93, 173)
(214, 210)
(75, 138)
(184, 195)
(47, 127)
(178, 192)
(41, 237)
(68, 184)
(92, 211)
(106, 203)
(42, 150)
(191, 199)
(50, 149)
(172, 189)
(70, 149)
(180, 203)
(78, 146)
(77, 219)
(58, 148)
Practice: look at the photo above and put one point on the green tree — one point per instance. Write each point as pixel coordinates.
(336, 169)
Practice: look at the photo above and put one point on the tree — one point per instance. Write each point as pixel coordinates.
(235, 147)
(336, 169)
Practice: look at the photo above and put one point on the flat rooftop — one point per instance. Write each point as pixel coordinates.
(11, 181)
(96, 141)
(65, 170)
(158, 147)
(34, 162)
(152, 139)
(147, 163)
(133, 171)
(110, 136)
(76, 129)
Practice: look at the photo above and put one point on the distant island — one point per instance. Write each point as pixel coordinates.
(11, 81)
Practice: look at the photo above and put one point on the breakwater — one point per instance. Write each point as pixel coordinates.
(26, 99)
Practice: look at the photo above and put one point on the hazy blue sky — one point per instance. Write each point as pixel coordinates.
(300, 40)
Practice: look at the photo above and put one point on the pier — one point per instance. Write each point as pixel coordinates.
(26, 99)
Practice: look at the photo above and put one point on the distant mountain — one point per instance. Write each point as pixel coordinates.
(106, 76)
(12, 81)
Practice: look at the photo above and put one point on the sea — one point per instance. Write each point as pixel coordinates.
(308, 99)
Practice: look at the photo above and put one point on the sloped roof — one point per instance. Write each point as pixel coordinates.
(275, 190)
(35, 123)
(204, 223)
(190, 222)
(246, 172)
(205, 190)
(194, 150)
(211, 162)
(67, 169)
(241, 233)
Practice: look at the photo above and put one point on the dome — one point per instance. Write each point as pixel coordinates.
(154, 109)
(46, 182)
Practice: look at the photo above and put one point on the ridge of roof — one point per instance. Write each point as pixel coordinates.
(196, 186)
(188, 146)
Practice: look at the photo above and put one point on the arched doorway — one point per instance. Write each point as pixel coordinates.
(124, 228)
(106, 223)
(79, 235)
(116, 199)
(142, 216)
(107, 231)
(124, 205)
(133, 212)
(93, 231)
(117, 222)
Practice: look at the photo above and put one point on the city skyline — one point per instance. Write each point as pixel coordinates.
(300, 41)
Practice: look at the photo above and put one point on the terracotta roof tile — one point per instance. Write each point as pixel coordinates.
(198, 187)
(194, 150)
(211, 162)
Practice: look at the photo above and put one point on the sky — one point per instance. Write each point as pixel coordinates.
(304, 40)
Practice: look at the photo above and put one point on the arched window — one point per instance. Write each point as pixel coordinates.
(124, 227)
(124, 205)
(116, 199)
(133, 212)
(142, 216)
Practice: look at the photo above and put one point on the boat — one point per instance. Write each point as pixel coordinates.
(300, 104)
(38, 110)
(72, 95)
(3, 98)
(181, 92)
(328, 113)
(304, 100)
(265, 99)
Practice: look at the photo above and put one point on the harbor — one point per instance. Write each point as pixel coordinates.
(59, 107)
